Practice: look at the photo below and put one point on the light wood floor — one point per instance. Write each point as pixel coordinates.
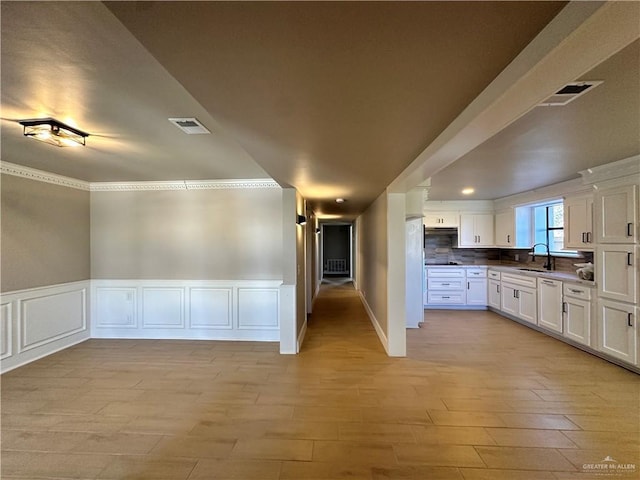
(478, 398)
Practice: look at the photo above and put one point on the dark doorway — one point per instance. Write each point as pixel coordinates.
(336, 251)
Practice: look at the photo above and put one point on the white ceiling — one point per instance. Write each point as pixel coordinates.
(335, 99)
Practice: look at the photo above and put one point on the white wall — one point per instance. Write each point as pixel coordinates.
(206, 234)
(371, 264)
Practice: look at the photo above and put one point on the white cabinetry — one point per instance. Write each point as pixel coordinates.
(505, 229)
(617, 272)
(578, 223)
(493, 299)
(550, 304)
(455, 287)
(617, 335)
(576, 310)
(616, 210)
(519, 297)
(440, 219)
(476, 230)
(477, 286)
(445, 286)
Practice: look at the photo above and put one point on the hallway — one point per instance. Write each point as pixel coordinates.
(478, 398)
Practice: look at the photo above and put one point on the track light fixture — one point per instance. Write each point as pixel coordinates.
(54, 132)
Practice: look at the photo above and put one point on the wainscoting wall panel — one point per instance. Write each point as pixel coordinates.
(211, 308)
(5, 331)
(162, 307)
(184, 309)
(37, 322)
(257, 308)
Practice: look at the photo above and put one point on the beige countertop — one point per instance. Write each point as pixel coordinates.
(553, 275)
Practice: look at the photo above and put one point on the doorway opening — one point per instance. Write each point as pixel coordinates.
(337, 251)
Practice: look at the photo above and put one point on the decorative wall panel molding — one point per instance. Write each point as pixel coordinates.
(40, 321)
(5, 331)
(257, 308)
(211, 308)
(162, 307)
(184, 309)
(51, 317)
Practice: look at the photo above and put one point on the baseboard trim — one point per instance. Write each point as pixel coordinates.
(374, 322)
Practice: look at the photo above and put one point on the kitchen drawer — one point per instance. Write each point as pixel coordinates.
(520, 280)
(494, 274)
(577, 291)
(445, 284)
(434, 272)
(446, 298)
(476, 273)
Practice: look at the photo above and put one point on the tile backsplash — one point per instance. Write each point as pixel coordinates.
(442, 249)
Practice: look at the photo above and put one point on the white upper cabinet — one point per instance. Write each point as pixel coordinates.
(505, 228)
(476, 230)
(616, 211)
(578, 223)
(440, 219)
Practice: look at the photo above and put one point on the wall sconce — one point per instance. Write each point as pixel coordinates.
(54, 132)
(302, 220)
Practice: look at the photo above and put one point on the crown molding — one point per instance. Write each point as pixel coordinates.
(182, 185)
(42, 176)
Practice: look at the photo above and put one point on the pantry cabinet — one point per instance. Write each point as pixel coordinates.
(578, 223)
(550, 304)
(476, 230)
(617, 272)
(617, 214)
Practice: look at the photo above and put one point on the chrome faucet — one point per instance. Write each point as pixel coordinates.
(547, 265)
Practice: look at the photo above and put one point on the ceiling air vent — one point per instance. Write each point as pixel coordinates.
(569, 93)
(190, 126)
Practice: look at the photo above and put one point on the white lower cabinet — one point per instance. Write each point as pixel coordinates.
(519, 297)
(617, 335)
(455, 287)
(550, 304)
(576, 313)
(493, 299)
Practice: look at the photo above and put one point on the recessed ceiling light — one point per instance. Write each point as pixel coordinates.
(468, 191)
(339, 200)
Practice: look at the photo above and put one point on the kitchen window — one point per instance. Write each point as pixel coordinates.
(549, 227)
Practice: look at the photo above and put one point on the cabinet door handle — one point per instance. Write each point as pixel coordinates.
(445, 284)
(584, 237)
(548, 282)
(468, 287)
(508, 238)
(629, 260)
(576, 291)
(629, 316)
(446, 297)
(497, 288)
(589, 237)
(564, 307)
(629, 229)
